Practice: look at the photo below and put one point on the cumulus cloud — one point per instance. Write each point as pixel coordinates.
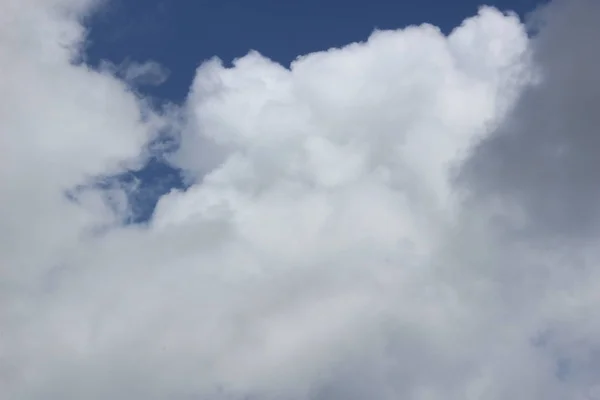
(408, 217)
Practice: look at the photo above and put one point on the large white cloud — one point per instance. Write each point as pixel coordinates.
(377, 221)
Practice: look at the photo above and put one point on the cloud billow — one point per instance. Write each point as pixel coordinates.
(408, 217)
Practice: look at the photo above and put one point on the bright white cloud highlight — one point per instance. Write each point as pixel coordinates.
(395, 219)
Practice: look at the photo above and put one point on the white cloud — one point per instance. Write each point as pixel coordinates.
(326, 250)
(147, 73)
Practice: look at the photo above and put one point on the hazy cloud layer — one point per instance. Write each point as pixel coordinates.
(412, 217)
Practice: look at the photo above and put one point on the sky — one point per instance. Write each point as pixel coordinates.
(208, 200)
(159, 30)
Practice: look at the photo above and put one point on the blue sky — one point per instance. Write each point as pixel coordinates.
(181, 34)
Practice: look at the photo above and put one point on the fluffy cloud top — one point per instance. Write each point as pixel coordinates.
(410, 217)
